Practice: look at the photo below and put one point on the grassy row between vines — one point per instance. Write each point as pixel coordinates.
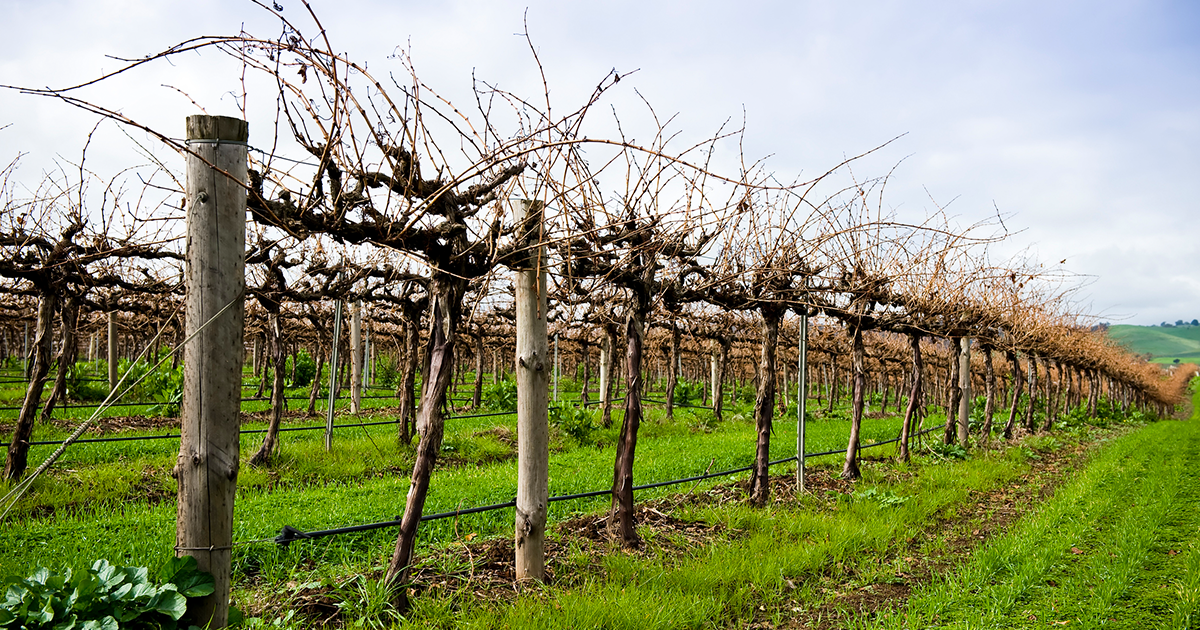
(1118, 547)
(116, 500)
(765, 567)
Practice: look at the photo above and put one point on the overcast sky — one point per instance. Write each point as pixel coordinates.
(1078, 120)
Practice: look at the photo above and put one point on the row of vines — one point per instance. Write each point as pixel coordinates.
(691, 265)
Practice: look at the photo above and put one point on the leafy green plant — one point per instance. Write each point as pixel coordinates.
(573, 421)
(948, 451)
(153, 384)
(501, 395)
(304, 371)
(164, 386)
(168, 403)
(104, 597)
(885, 498)
(687, 392)
(79, 385)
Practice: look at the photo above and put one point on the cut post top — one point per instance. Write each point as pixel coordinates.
(225, 128)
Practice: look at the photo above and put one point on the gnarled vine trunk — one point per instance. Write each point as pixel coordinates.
(446, 295)
(954, 395)
(722, 369)
(764, 409)
(315, 390)
(1030, 418)
(406, 390)
(1018, 383)
(477, 394)
(66, 355)
(989, 385)
(620, 517)
(914, 396)
(278, 402)
(672, 370)
(18, 448)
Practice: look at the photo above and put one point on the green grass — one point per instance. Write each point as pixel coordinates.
(1167, 343)
(365, 479)
(1116, 547)
(772, 562)
(116, 501)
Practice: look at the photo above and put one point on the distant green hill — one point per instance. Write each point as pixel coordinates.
(1162, 344)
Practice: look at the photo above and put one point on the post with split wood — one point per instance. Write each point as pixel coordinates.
(533, 380)
(212, 384)
(801, 400)
(964, 384)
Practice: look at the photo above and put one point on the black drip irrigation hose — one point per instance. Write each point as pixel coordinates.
(288, 534)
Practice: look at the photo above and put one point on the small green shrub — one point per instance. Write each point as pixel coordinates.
(948, 451)
(687, 392)
(304, 371)
(79, 387)
(573, 421)
(104, 597)
(150, 383)
(501, 395)
(165, 387)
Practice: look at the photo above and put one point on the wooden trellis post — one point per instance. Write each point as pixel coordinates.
(801, 400)
(533, 375)
(964, 383)
(212, 384)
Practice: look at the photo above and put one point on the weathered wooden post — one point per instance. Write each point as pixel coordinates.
(801, 401)
(605, 375)
(215, 278)
(714, 377)
(356, 358)
(112, 351)
(964, 384)
(533, 439)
